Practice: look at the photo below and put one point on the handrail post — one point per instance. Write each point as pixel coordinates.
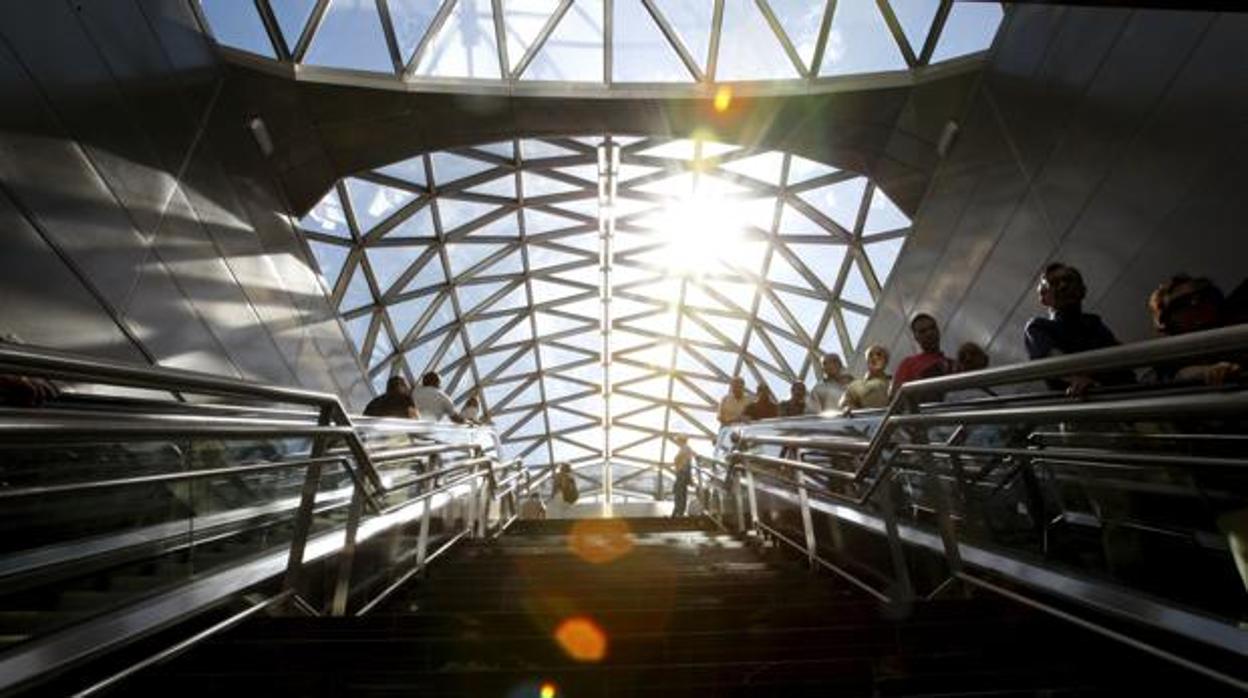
(307, 502)
(901, 569)
(422, 538)
(346, 557)
(749, 487)
(807, 524)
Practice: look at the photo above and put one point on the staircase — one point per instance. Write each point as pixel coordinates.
(660, 607)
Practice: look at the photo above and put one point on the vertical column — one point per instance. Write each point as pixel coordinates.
(608, 171)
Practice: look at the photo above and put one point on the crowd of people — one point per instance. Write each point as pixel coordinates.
(1180, 305)
(427, 401)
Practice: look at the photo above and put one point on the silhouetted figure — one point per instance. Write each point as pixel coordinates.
(764, 405)
(799, 403)
(24, 391)
(1069, 330)
(872, 389)
(683, 465)
(732, 406)
(472, 411)
(930, 361)
(395, 402)
(827, 393)
(1182, 305)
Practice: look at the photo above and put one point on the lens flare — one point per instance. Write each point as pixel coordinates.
(547, 690)
(582, 639)
(599, 541)
(723, 98)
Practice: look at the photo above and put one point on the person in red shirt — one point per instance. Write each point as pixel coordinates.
(930, 361)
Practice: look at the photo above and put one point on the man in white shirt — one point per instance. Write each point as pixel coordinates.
(732, 407)
(431, 402)
(827, 393)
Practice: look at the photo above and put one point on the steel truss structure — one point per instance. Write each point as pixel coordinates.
(599, 292)
(588, 46)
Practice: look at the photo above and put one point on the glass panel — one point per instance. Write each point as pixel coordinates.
(515, 299)
(801, 169)
(504, 186)
(801, 20)
(350, 36)
(781, 271)
(767, 312)
(357, 329)
(411, 19)
(327, 217)
(410, 170)
(969, 28)
(573, 51)
(855, 325)
(536, 185)
(465, 45)
(372, 203)
(480, 330)
(840, 201)
(748, 48)
(883, 215)
(807, 311)
(546, 291)
(455, 213)
(855, 290)
(542, 257)
(471, 295)
(506, 226)
(486, 363)
(765, 167)
(794, 222)
(448, 167)
(237, 25)
(883, 256)
(859, 41)
(292, 16)
(691, 20)
(358, 293)
(418, 358)
(503, 149)
(389, 263)
(522, 21)
(681, 149)
(405, 315)
(330, 259)
(429, 275)
(824, 261)
(532, 148)
(642, 52)
(463, 256)
(510, 264)
(915, 18)
(417, 225)
(382, 349)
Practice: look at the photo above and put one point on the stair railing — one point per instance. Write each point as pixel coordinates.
(356, 480)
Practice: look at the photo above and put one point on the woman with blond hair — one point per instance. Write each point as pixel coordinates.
(872, 389)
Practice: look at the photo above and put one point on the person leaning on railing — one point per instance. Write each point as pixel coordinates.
(24, 391)
(395, 402)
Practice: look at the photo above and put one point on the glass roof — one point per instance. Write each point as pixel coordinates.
(574, 41)
(511, 267)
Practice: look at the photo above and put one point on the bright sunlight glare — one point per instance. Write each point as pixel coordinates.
(702, 231)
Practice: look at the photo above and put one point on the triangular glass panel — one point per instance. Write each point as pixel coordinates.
(515, 299)
(330, 259)
(405, 315)
(536, 222)
(794, 222)
(472, 295)
(759, 352)
(768, 313)
(679, 186)
(802, 169)
(781, 271)
(565, 451)
(748, 48)
(915, 18)
(455, 213)
(410, 170)
(741, 294)
(505, 226)
(350, 36)
(357, 330)
(722, 359)
(522, 332)
(238, 25)
(358, 294)
(697, 298)
(860, 41)
(585, 173)
(389, 263)
(794, 354)
(533, 149)
(411, 19)
(883, 214)
(691, 20)
(764, 167)
(642, 53)
(883, 256)
(823, 260)
(801, 20)
(683, 393)
(429, 275)
(855, 290)
(549, 324)
(557, 387)
(629, 172)
(807, 311)
(418, 225)
(555, 357)
(523, 21)
(680, 149)
(510, 264)
(760, 213)
(504, 187)
(548, 292)
(855, 325)
(542, 257)
(373, 203)
(970, 28)
(573, 51)
(382, 349)
(418, 357)
(586, 207)
(465, 46)
(449, 167)
(327, 217)
(480, 330)
(537, 185)
(454, 352)
(463, 256)
(840, 202)
(489, 361)
(292, 17)
(586, 242)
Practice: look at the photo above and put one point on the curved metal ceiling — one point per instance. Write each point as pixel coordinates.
(553, 46)
(514, 268)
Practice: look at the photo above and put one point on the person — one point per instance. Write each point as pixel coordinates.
(764, 405)
(564, 484)
(472, 410)
(395, 402)
(1069, 330)
(683, 465)
(799, 403)
(872, 389)
(1180, 305)
(732, 407)
(24, 391)
(431, 402)
(827, 393)
(970, 357)
(532, 508)
(930, 361)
